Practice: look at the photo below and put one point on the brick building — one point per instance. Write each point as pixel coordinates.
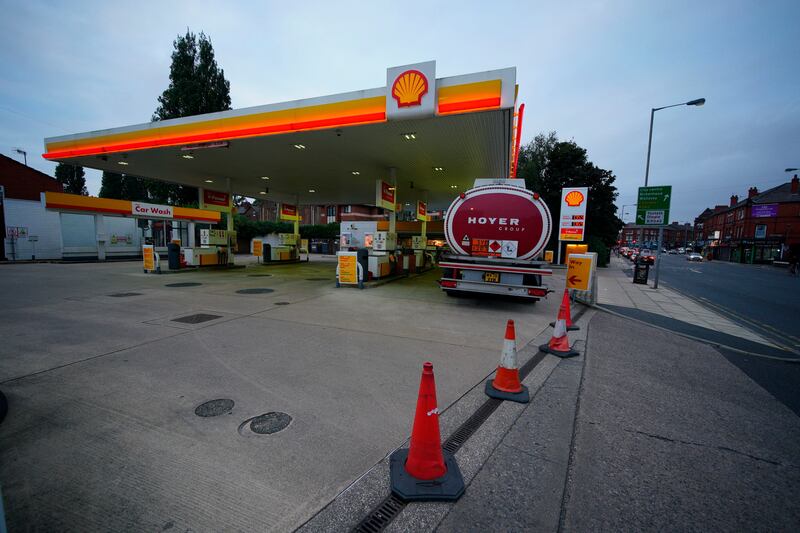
(761, 228)
(22, 187)
(676, 235)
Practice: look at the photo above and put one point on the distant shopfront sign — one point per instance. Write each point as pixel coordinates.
(764, 211)
(761, 231)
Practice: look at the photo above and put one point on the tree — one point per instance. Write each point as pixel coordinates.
(196, 85)
(71, 177)
(548, 165)
(123, 187)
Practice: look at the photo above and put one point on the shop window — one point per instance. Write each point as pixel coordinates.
(331, 211)
(347, 209)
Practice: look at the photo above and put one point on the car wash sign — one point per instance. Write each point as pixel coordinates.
(572, 225)
(144, 210)
(652, 206)
(498, 221)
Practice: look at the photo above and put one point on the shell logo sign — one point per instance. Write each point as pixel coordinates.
(409, 88)
(411, 91)
(574, 198)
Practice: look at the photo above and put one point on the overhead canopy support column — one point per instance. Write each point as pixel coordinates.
(393, 212)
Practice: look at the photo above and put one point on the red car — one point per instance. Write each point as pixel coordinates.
(646, 257)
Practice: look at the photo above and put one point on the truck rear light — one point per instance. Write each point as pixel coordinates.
(447, 284)
(537, 292)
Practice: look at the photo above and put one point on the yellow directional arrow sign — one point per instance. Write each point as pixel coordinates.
(579, 272)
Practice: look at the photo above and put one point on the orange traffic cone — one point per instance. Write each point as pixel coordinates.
(424, 472)
(565, 313)
(506, 384)
(559, 343)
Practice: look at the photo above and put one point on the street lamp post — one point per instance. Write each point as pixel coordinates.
(698, 102)
(24, 154)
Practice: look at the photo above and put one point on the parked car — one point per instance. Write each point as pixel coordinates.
(674, 251)
(646, 257)
(693, 256)
(681, 251)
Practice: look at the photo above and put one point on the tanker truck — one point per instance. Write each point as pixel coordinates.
(496, 232)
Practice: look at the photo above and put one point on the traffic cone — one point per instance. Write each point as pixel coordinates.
(506, 384)
(564, 312)
(424, 472)
(559, 342)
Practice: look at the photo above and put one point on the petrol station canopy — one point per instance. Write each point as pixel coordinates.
(433, 136)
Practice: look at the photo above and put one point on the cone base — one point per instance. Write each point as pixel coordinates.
(448, 488)
(522, 396)
(569, 328)
(547, 349)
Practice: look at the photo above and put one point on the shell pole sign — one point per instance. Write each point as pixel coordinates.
(385, 196)
(572, 222)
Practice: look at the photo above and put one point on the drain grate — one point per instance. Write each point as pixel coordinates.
(183, 284)
(269, 423)
(282, 303)
(381, 516)
(216, 407)
(198, 318)
(471, 425)
(125, 294)
(254, 291)
(386, 511)
(259, 275)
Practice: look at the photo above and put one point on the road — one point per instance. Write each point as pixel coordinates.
(761, 297)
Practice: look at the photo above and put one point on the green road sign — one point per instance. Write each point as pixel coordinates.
(652, 209)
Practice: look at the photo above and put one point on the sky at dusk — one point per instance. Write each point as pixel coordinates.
(589, 70)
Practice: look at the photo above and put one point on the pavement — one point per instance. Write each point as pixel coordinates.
(645, 430)
(618, 290)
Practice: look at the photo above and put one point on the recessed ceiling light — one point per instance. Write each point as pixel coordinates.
(410, 136)
(408, 203)
(454, 186)
(312, 190)
(209, 181)
(122, 162)
(438, 169)
(187, 156)
(262, 192)
(264, 177)
(356, 173)
(300, 146)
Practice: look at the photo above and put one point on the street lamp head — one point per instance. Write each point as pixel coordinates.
(698, 102)
(791, 169)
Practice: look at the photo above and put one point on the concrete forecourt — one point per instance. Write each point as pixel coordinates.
(106, 391)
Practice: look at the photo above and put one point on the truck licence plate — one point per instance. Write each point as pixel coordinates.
(491, 277)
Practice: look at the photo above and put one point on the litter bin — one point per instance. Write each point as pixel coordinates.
(640, 273)
(362, 256)
(174, 256)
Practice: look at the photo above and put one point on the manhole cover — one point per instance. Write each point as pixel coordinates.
(269, 423)
(254, 291)
(319, 279)
(196, 318)
(282, 303)
(125, 294)
(259, 275)
(217, 407)
(183, 284)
